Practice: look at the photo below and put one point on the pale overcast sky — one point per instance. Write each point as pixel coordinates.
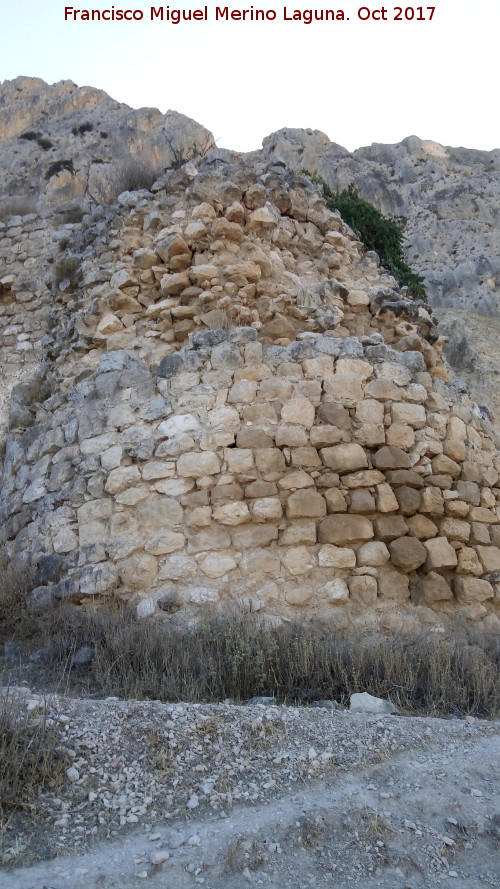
(357, 81)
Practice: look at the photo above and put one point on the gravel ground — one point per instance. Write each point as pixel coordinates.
(221, 795)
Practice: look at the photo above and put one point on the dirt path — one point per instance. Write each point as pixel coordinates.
(422, 818)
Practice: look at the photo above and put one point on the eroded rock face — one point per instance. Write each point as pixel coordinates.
(212, 417)
(97, 142)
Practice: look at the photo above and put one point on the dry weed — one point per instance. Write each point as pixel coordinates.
(31, 759)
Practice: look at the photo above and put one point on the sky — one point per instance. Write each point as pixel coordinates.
(362, 80)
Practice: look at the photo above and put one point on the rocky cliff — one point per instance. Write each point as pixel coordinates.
(213, 396)
(64, 147)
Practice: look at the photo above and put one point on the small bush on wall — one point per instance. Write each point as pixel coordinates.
(376, 231)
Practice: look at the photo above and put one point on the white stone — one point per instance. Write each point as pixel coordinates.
(362, 702)
(331, 556)
(217, 564)
(178, 425)
(335, 590)
(145, 608)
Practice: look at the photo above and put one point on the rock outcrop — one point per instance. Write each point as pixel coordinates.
(229, 402)
(64, 147)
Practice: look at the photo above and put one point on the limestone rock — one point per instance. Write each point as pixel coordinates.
(345, 530)
(470, 590)
(362, 702)
(440, 554)
(407, 553)
(373, 553)
(430, 589)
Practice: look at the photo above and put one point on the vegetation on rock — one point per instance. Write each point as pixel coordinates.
(58, 167)
(376, 231)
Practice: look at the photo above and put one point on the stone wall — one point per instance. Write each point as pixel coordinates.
(239, 406)
(25, 244)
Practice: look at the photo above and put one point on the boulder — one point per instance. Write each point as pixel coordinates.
(362, 702)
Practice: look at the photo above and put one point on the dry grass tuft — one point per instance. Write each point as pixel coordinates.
(31, 759)
(236, 657)
(68, 269)
(16, 206)
(133, 174)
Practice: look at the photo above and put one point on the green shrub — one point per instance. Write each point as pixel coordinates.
(377, 232)
(30, 136)
(45, 144)
(86, 127)
(58, 166)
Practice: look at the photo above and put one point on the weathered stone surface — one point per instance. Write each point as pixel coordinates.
(363, 590)
(362, 702)
(336, 591)
(407, 553)
(305, 503)
(270, 463)
(393, 585)
(430, 589)
(386, 499)
(158, 512)
(336, 557)
(344, 457)
(236, 513)
(468, 562)
(362, 502)
(490, 558)
(432, 502)
(335, 500)
(408, 500)
(299, 411)
(253, 536)
(139, 571)
(266, 509)
(364, 479)
(390, 457)
(260, 561)
(440, 554)
(198, 464)
(422, 527)
(122, 478)
(239, 460)
(217, 564)
(178, 425)
(164, 542)
(374, 553)
(389, 528)
(299, 560)
(470, 589)
(299, 532)
(345, 529)
(213, 538)
(455, 529)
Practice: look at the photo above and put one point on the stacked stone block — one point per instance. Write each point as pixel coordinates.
(226, 421)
